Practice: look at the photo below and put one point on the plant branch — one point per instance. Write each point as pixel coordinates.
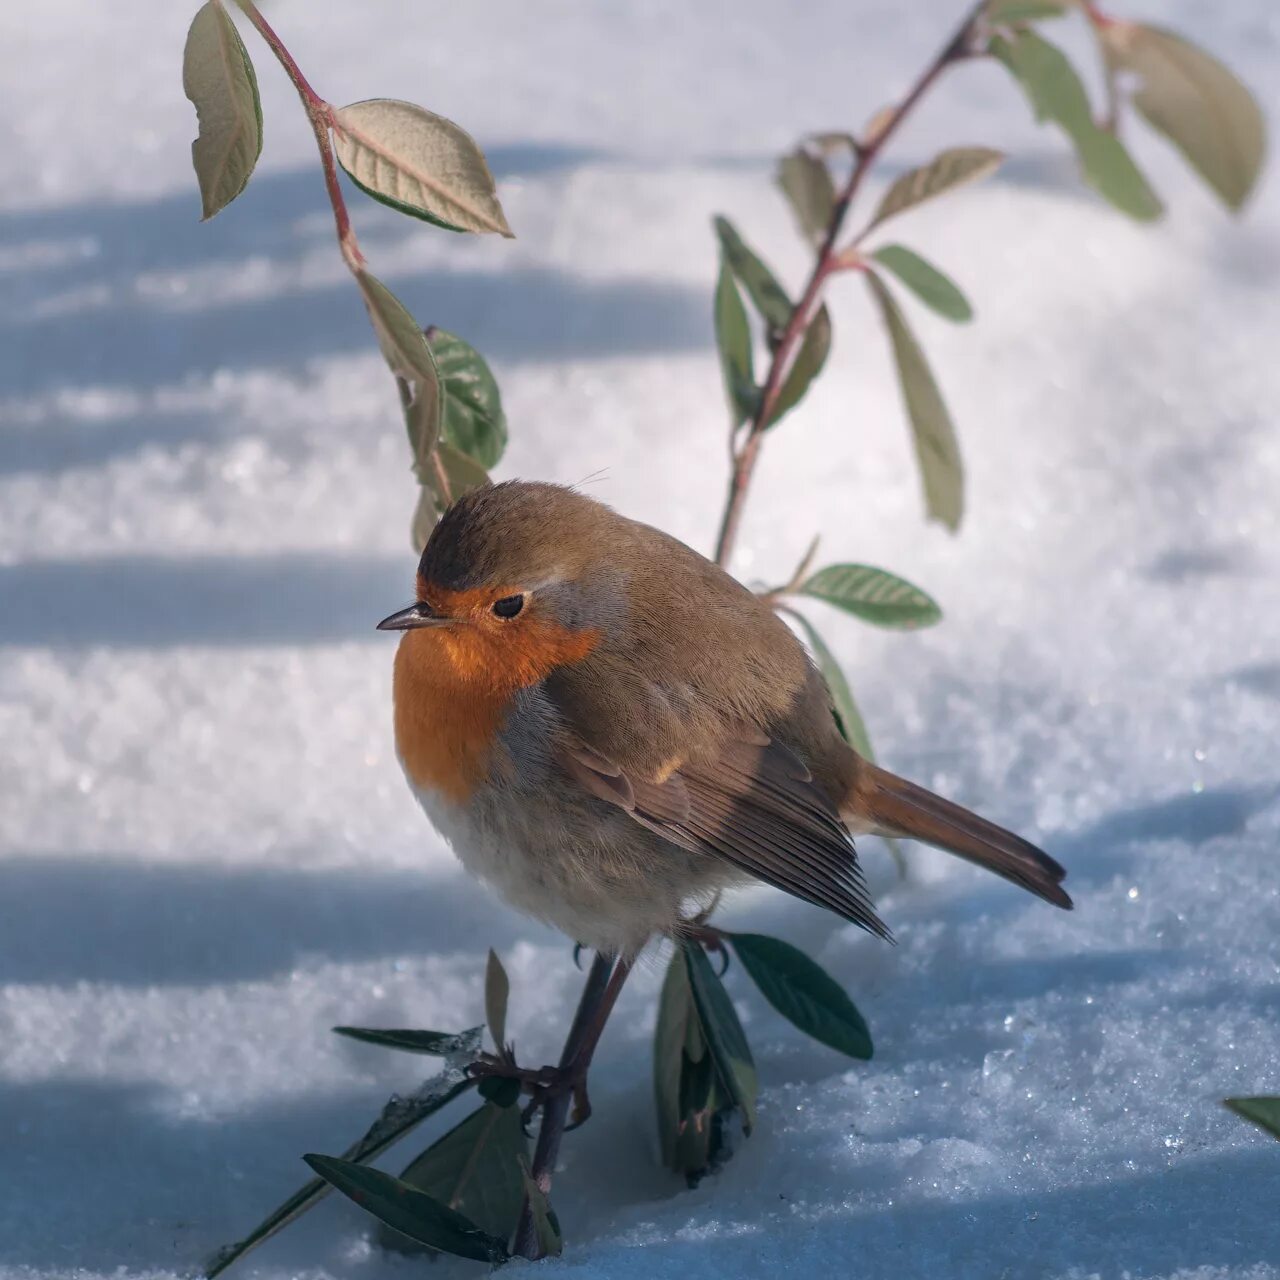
(320, 113)
(746, 457)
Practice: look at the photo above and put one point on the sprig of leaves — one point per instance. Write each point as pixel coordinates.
(218, 77)
(402, 156)
(399, 1117)
(704, 1077)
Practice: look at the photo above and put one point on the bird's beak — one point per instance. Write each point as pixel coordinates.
(416, 615)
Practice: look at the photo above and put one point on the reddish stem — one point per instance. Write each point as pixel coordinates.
(320, 113)
(745, 459)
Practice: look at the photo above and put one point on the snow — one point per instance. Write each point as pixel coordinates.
(207, 854)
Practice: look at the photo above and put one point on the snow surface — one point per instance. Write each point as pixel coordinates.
(208, 855)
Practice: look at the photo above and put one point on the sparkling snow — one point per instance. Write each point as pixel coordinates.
(207, 855)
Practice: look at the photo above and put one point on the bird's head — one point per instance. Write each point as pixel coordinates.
(514, 581)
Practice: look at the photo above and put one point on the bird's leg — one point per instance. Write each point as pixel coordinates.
(604, 983)
(571, 1075)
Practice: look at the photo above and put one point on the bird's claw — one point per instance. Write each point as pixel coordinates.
(547, 1084)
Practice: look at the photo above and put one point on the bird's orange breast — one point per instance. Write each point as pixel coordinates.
(453, 687)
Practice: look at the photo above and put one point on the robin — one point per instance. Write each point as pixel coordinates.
(609, 730)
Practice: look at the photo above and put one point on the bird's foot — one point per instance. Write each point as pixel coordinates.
(553, 1082)
(540, 1083)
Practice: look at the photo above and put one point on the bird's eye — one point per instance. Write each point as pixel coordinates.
(508, 606)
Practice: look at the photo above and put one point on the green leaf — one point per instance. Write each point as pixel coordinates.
(935, 440)
(419, 163)
(475, 1170)
(934, 289)
(218, 78)
(397, 1118)
(675, 1006)
(408, 356)
(462, 472)
(1264, 1112)
(803, 992)
(943, 173)
(1056, 94)
(409, 1211)
(848, 718)
(733, 339)
(1011, 11)
(1197, 103)
(473, 420)
(438, 1044)
(814, 349)
(677, 1041)
(761, 284)
(701, 1099)
(546, 1226)
(426, 513)
(497, 990)
(725, 1039)
(873, 595)
(806, 182)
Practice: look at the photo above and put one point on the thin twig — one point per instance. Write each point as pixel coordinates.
(320, 113)
(1098, 21)
(784, 353)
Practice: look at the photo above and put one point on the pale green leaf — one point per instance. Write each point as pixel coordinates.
(999, 12)
(934, 289)
(1194, 101)
(419, 163)
(1056, 94)
(684, 1079)
(937, 451)
(475, 1169)
(761, 284)
(873, 595)
(733, 340)
(943, 173)
(218, 78)
(408, 1210)
(806, 182)
(426, 513)
(814, 349)
(848, 717)
(462, 471)
(725, 1040)
(676, 1020)
(497, 991)
(407, 354)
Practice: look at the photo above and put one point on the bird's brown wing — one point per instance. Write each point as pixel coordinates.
(755, 805)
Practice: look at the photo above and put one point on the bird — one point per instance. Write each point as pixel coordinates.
(610, 730)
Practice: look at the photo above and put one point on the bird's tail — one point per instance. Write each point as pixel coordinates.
(888, 805)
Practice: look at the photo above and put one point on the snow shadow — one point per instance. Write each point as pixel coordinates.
(198, 1183)
(122, 1156)
(1192, 818)
(110, 295)
(153, 602)
(1196, 1213)
(103, 918)
(62, 443)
